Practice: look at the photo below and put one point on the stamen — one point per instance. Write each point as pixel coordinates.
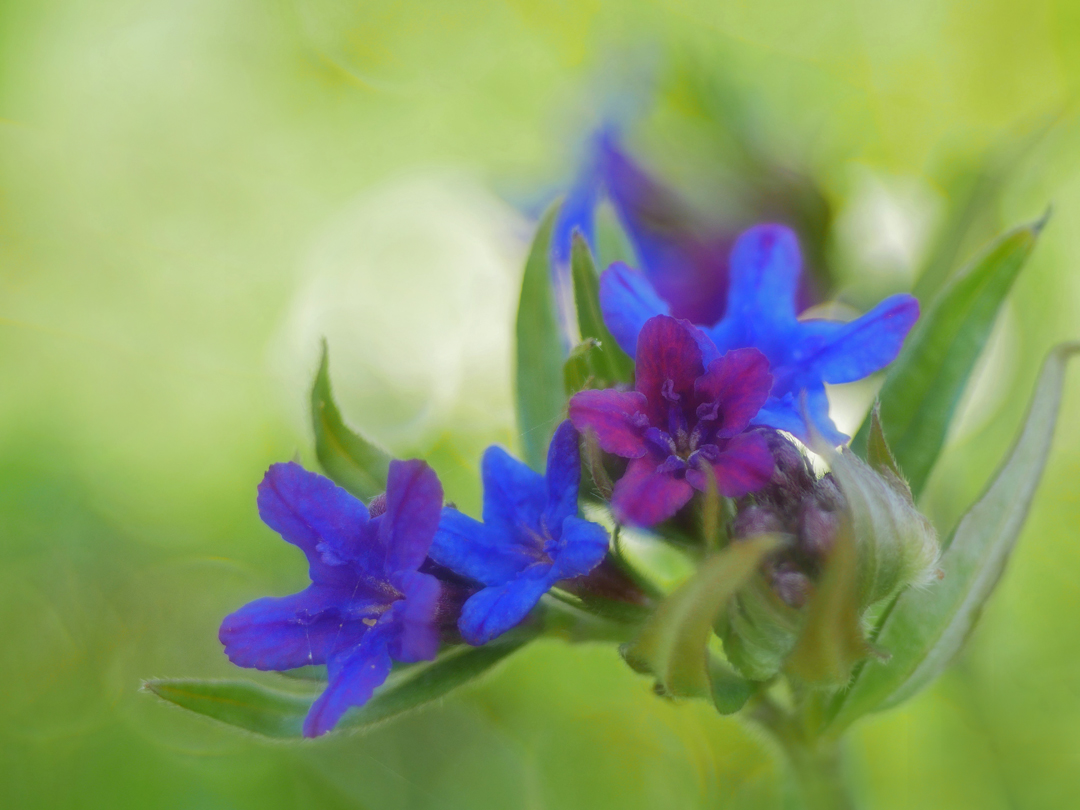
(667, 391)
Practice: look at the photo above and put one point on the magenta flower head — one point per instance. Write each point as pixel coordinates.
(367, 602)
(761, 312)
(682, 417)
(530, 539)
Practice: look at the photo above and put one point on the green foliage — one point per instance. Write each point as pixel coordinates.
(896, 544)
(925, 627)
(243, 704)
(673, 644)
(349, 459)
(611, 364)
(832, 640)
(925, 382)
(541, 400)
(272, 713)
(759, 630)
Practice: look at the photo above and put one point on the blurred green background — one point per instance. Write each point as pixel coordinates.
(191, 193)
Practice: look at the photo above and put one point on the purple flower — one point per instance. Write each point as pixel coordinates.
(530, 539)
(367, 602)
(684, 258)
(761, 312)
(683, 416)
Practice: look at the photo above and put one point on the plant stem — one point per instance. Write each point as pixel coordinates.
(814, 762)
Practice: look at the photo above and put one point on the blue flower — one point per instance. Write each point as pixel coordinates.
(683, 257)
(530, 539)
(761, 313)
(367, 602)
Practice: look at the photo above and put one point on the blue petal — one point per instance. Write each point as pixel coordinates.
(293, 631)
(584, 545)
(413, 505)
(310, 511)
(577, 213)
(782, 413)
(353, 676)
(468, 547)
(686, 265)
(493, 611)
(415, 617)
(851, 351)
(514, 494)
(765, 267)
(627, 300)
(563, 476)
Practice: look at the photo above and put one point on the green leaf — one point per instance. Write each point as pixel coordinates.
(924, 628)
(673, 644)
(832, 640)
(420, 685)
(610, 362)
(349, 459)
(895, 544)
(925, 382)
(271, 713)
(878, 453)
(730, 691)
(243, 704)
(578, 373)
(541, 399)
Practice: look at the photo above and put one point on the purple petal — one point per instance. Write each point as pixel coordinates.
(493, 611)
(563, 475)
(415, 617)
(309, 511)
(685, 264)
(584, 545)
(294, 631)
(644, 497)
(609, 415)
(744, 465)
(353, 676)
(765, 267)
(627, 300)
(468, 547)
(854, 350)
(413, 506)
(738, 384)
(668, 355)
(514, 494)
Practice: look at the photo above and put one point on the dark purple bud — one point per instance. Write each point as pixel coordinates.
(757, 520)
(791, 585)
(817, 530)
(377, 505)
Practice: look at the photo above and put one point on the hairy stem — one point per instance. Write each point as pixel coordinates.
(813, 762)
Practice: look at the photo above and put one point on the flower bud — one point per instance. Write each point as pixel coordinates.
(891, 547)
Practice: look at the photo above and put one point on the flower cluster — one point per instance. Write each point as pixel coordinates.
(721, 363)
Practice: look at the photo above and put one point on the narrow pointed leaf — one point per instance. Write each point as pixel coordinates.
(924, 628)
(541, 398)
(832, 640)
(611, 362)
(272, 713)
(349, 459)
(730, 690)
(420, 685)
(878, 453)
(578, 371)
(925, 383)
(673, 644)
(243, 704)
